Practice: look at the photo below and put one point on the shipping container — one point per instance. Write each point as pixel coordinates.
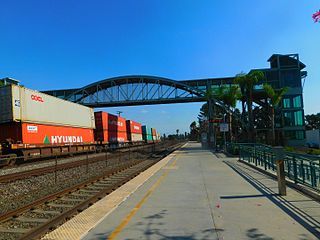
(133, 127)
(101, 136)
(135, 137)
(110, 128)
(118, 136)
(134, 131)
(147, 134)
(154, 132)
(109, 121)
(41, 134)
(19, 104)
(146, 130)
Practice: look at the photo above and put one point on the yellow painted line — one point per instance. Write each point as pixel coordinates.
(127, 219)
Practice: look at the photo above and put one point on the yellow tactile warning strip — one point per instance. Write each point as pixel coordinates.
(86, 220)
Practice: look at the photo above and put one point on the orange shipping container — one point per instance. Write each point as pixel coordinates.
(133, 127)
(154, 132)
(110, 122)
(30, 133)
(118, 136)
(101, 135)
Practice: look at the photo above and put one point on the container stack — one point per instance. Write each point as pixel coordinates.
(31, 117)
(134, 131)
(154, 134)
(158, 136)
(110, 128)
(147, 134)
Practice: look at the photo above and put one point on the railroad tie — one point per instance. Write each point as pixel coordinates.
(14, 230)
(82, 194)
(30, 220)
(46, 211)
(102, 184)
(60, 205)
(89, 191)
(66, 199)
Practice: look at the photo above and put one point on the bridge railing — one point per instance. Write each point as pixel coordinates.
(300, 168)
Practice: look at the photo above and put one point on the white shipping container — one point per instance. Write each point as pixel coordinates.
(313, 138)
(21, 104)
(136, 137)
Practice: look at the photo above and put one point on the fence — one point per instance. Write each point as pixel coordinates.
(301, 168)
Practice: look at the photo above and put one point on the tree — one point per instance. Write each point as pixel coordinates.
(312, 121)
(247, 83)
(229, 96)
(237, 127)
(241, 80)
(275, 97)
(194, 131)
(177, 131)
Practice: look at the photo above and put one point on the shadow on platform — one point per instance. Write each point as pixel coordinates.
(150, 229)
(296, 213)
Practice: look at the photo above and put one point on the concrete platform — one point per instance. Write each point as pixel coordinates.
(196, 194)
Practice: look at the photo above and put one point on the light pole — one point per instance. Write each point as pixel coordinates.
(119, 113)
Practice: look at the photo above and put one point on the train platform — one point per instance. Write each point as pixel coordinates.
(197, 194)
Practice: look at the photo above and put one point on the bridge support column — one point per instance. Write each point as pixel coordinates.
(211, 135)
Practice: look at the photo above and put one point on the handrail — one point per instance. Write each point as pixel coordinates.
(301, 168)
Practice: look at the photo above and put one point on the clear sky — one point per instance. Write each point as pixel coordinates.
(68, 44)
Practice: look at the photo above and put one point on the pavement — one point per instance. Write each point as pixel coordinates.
(198, 194)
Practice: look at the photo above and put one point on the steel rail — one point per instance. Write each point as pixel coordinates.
(125, 168)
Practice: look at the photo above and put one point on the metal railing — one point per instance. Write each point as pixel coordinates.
(300, 168)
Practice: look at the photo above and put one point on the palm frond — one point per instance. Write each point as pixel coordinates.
(279, 95)
(269, 90)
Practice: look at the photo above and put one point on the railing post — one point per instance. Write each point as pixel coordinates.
(295, 170)
(279, 157)
(255, 155)
(302, 171)
(313, 175)
(265, 159)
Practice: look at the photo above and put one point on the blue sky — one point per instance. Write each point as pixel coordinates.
(65, 44)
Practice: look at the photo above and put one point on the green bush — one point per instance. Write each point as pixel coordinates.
(289, 149)
(313, 151)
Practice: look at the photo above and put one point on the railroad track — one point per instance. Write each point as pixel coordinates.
(33, 220)
(49, 158)
(57, 166)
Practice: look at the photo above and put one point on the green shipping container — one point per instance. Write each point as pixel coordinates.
(146, 134)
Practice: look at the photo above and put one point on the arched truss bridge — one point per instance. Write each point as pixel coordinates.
(135, 90)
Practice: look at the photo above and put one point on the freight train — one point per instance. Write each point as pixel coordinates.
(36, 124)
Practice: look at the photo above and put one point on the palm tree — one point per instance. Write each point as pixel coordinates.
(229, 96)
(194, 131)
(247, 83)
(275, 97)
(241, 80)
